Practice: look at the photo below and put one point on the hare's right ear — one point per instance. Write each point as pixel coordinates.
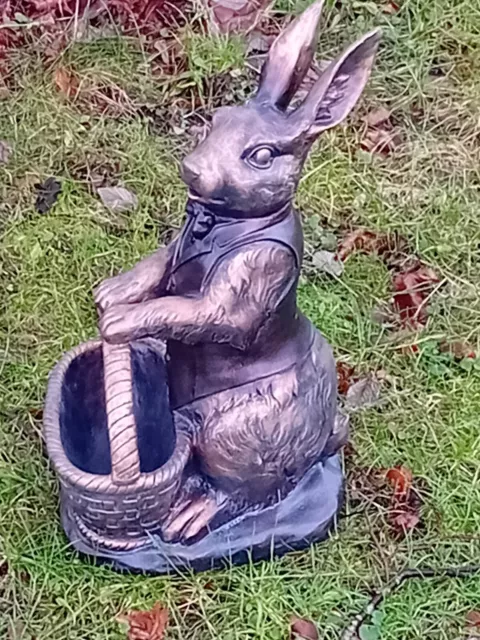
(336, 92)
(289, 59)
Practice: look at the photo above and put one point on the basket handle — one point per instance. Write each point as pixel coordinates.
(122, 430)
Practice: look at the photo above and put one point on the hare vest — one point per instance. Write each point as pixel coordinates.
(284, 337)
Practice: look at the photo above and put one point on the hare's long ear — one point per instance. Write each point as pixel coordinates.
(289, 58)
(337, 90)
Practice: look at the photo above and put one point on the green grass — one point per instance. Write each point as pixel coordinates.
(427, 190)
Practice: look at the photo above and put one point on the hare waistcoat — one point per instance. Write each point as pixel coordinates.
(284, 338)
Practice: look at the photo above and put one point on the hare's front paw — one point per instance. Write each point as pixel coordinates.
(121, 289)
(120, 323)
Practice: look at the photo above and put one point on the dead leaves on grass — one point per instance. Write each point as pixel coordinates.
(394, 492)
(404, 511)
(146, 625)
(413, 288)
(412, 281)
(93, 95)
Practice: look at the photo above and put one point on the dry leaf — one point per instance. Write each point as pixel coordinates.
(328, 262)
(344, 377)
(5, 152)
(364, 393)
(301, 629)
(377, 117)
(458, 349)
(473, 618)
(387, 245)
(66, 81)
(146, 625)
(118, 199)
(401, 478)
(233, 16)
(404, 520)
(391, 7)
(48, 193)
(380, 141)
(412, 289)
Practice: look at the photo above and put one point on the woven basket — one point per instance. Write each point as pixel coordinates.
(120, 509)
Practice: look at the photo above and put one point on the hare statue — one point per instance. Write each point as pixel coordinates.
(250, 384)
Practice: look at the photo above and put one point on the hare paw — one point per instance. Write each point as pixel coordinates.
(119, 323)
(191, 517)
(120, 289)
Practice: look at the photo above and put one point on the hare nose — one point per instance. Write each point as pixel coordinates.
(190, 172)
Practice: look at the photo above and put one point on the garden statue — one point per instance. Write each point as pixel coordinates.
(203, 426)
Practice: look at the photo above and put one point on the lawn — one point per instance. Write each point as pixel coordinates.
(426, 189)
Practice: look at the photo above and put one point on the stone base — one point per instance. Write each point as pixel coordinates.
(304, 517)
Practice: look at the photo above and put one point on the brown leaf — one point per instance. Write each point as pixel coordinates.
(234, 16)
(377, 117)
(5, 152)
(459, 349)
(412, 289)
(473, 618)
(404, 520)
(380, 141)
(146, 625)
(366, 241)
(364, 393)
(67, 81)
(401, 478)
(301, 629)
(391, 7)
(344, 376)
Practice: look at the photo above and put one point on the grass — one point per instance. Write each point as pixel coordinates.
(427, 190)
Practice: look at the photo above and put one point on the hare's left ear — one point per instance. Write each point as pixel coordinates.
(289, 58)
(337, 90)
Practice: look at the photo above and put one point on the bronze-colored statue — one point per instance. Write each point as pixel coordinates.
(204, 427)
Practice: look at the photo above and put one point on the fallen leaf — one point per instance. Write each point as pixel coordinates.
(380, 141)
(404, 520)
(146, 625)
(377, 116)
(473, 618)
(118, 199)
(364, 393)
(66, 81)
(344, 377)
(328, 262)
(401, 478)
(48, 193)
(234, 16)
(391, 7)
(301, 629)
(412, 289)
(258, 43)
(5, 152)
(458, 349)
(387, 245)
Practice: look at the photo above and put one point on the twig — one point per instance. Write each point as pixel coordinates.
(351, 632)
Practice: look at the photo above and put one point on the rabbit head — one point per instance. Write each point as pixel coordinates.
(250, 162)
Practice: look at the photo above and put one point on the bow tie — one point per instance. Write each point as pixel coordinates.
(203, 220)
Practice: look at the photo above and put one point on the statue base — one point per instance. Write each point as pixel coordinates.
(305, 516)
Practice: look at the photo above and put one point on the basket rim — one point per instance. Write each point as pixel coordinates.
(163, 477)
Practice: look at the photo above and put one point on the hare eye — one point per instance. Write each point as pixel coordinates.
(261, 158)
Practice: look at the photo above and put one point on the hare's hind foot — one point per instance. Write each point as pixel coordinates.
(194, 510)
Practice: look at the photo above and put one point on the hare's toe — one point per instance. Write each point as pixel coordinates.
(191, 517)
